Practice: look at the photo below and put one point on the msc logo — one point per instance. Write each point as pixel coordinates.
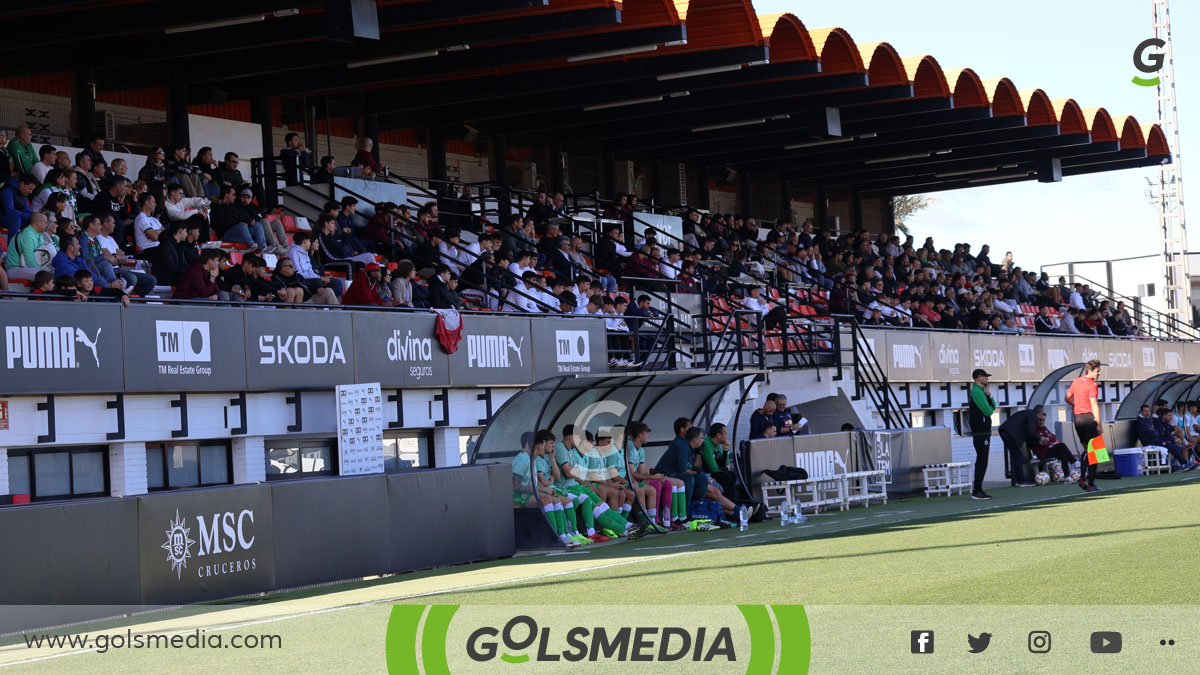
(1148, 357)
(906, 356)
(47, 346)
(572, 346)
(183, 341)
(178, 545)
(487, 639)
(1027, 356)
(1148, 63)
(491, 351)
(226, 532)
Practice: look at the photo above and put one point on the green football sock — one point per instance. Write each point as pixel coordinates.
(610, 520)
(568, 516)
(555, 518)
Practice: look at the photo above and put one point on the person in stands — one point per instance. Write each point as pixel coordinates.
(366, 288)
(199, 282)
(14, 204)
(295, 159)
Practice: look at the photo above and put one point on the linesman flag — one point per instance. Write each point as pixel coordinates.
(1097, 451)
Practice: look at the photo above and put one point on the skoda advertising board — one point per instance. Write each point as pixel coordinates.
(286, 349)
(990, 352)
(494, 350)
(52, 348)
(1119, 359)
(400, 349)
(184, 349)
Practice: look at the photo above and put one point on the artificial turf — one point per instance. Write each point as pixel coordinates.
(867, 575)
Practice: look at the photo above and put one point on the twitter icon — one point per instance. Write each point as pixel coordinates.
(979, 644)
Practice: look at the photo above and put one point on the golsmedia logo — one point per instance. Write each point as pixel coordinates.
(1148, 62)
(741, 639)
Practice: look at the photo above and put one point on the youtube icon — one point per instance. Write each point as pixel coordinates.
(1106, 642)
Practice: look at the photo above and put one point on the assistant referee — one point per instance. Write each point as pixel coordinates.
(1082, 397)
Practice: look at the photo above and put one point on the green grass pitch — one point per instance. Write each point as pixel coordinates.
(1001, 566)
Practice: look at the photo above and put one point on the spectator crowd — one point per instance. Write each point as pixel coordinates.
(187, 222)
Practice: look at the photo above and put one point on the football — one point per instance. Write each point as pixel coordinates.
(1042, 478)
(1074, 478)
(1055, 469)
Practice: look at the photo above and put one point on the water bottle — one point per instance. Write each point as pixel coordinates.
(798, 516)
(743, 519)
(785, 514)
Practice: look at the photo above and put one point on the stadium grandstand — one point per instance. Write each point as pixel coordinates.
(280, 264)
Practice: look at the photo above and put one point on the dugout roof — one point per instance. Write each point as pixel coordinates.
(595, 402)
(705, 81)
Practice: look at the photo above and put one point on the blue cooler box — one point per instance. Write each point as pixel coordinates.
(1128, 462)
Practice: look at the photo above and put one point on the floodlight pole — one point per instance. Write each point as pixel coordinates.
(1177, 287)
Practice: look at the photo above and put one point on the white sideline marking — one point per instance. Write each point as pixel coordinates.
(369, 603)
(743, 536)
(652, 548)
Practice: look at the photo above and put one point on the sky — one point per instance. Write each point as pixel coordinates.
(1067, 48)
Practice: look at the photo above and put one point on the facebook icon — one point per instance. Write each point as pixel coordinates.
(922, 642)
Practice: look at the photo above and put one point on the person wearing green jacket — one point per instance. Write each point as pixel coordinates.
(980, 406)
(714, 456)
(21, 152)
(21, 261)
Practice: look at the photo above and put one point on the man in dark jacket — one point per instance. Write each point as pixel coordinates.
(1020, 428)
(200, 279)
(761, 419)
(439, 292)
(169, 260)
(980, 406)
(679, 461)
(1151, 434)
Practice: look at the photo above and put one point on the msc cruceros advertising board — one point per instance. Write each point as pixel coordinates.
(205, 544)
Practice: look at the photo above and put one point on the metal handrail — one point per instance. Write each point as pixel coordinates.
(869, 375)
(1174, 325)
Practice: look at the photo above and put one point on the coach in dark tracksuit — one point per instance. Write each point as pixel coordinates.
(980, 406)
(1020, 428)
